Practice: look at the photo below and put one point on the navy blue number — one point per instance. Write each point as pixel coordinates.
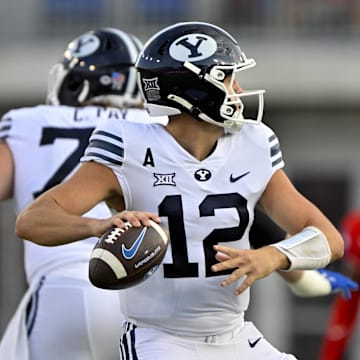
(172, 208)
(49, 135)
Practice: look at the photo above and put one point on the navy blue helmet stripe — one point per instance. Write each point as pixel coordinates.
(272, 137)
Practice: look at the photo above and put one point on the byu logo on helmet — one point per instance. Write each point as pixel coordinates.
(193, 47)
(84, 45)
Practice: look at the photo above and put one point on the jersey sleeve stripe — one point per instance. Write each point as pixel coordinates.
(5, 126)
(101, 144)
(276, 162)
(94, 155)
(275, 152)
(109, 135)
(105, 148)
(3, 135)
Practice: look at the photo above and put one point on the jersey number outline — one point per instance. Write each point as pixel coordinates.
(48, 137)
(171, 207)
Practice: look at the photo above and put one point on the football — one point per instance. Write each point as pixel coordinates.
(126, 257)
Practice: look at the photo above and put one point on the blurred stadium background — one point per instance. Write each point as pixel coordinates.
(308, 60)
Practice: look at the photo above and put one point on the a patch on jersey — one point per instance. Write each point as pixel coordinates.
(149, 160)
(275, 151)
(152, 89)
(164, 179)
(193, 47)
(115, 80)
(82, 46)
(202, 175)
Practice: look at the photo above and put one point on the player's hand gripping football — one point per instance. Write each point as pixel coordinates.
(253, 264)
(135, 218)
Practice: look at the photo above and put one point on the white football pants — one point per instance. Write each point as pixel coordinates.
(63, 317)
(140, 343)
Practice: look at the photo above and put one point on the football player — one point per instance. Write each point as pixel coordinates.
(202, 174)
(62, 316)
(344, 314)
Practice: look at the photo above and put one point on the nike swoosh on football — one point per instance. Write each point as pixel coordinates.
(234, 179)
(253, 343)
(130, 253)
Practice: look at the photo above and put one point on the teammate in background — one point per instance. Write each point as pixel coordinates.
(62, 316)
(202, 174)
(344, 314)
(309, 283)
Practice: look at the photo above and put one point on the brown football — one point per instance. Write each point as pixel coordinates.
(125, 257)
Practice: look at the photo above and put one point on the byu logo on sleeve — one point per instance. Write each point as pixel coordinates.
(193, 47)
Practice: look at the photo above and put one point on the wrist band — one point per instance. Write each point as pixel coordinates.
(306, 250)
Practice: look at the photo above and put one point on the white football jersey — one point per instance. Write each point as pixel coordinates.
(47, 143)
(203, 203)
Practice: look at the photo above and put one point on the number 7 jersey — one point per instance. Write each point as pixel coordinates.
(47, 143)
(202, 202)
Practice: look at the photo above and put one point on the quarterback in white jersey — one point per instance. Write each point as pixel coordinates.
(63, 316)
(202, 174)
(203, 203)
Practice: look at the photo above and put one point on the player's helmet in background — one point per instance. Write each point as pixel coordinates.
(183, 69)
(97, 68)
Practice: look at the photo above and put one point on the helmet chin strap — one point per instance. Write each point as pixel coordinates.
(229, 125)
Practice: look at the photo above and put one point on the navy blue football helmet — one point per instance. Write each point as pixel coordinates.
(97, 68)
(191, 67)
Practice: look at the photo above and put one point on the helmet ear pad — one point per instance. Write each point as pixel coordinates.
(71, 88)
(206, 101)
(204, 97)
